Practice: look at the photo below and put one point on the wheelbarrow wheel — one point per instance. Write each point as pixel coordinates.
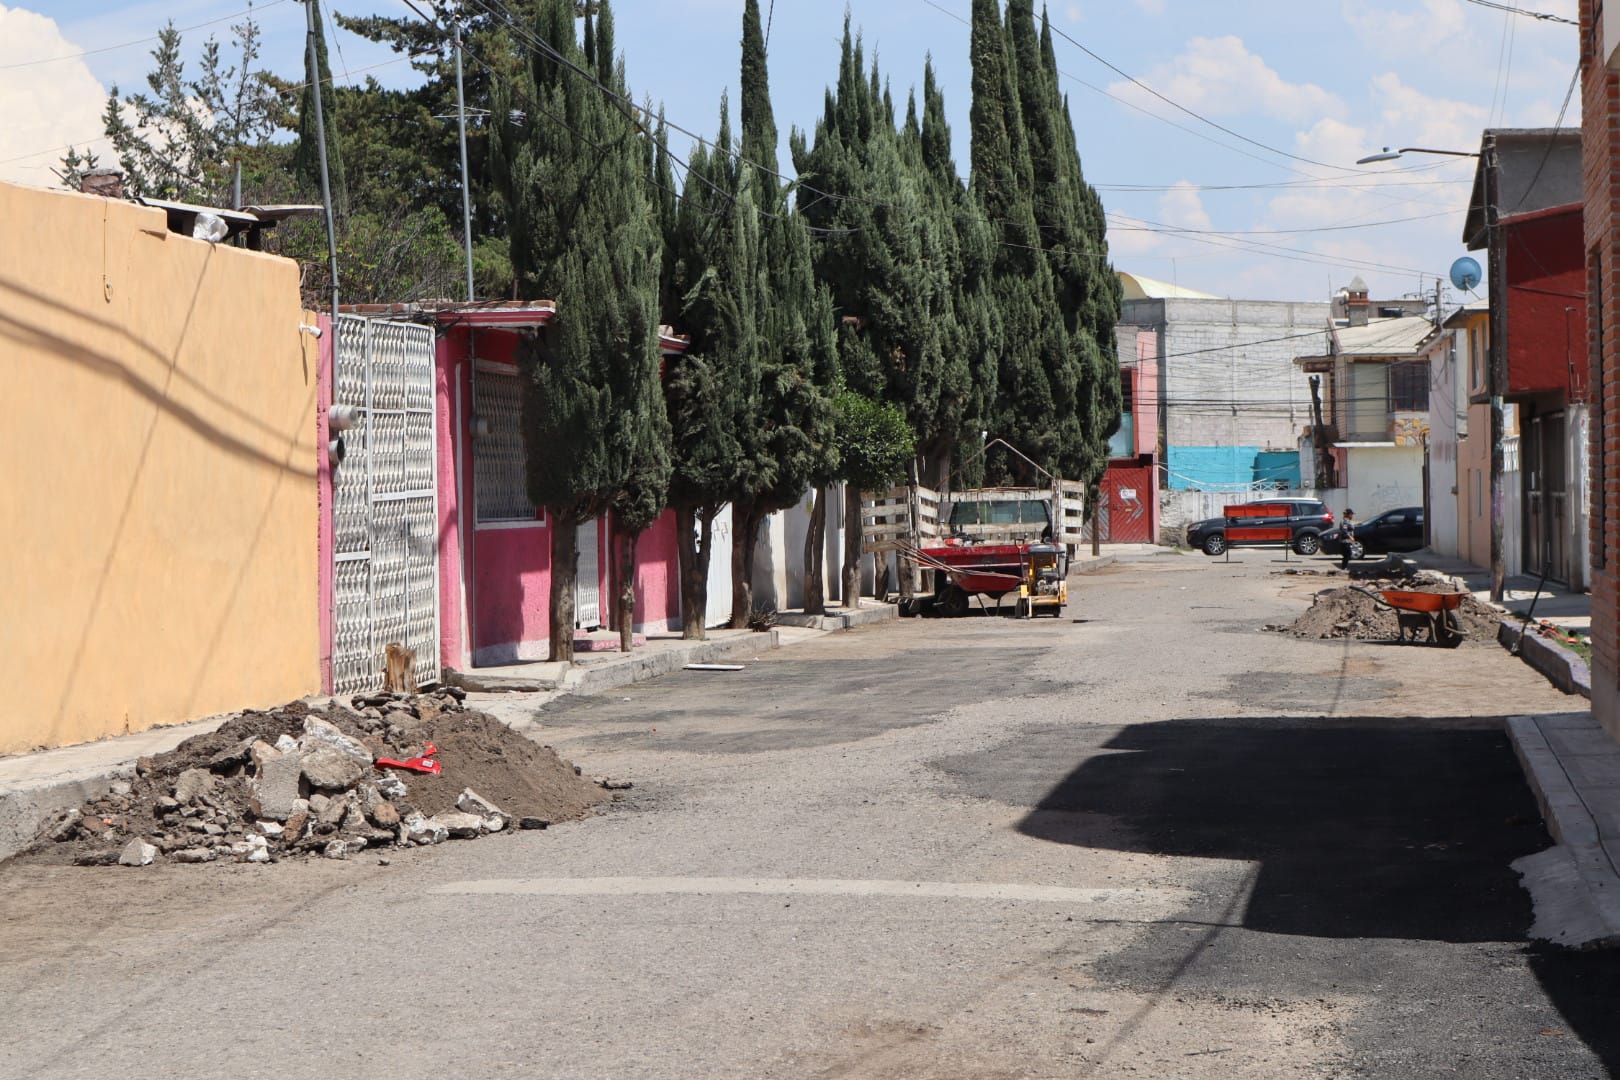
(953, 602)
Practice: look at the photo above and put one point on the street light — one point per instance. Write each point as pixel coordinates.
(1390, 155)
(1494, 371)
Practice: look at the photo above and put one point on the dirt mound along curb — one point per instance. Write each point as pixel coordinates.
(299, 781)
(1350, 613)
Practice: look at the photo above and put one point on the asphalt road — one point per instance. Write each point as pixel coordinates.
(1145, 840)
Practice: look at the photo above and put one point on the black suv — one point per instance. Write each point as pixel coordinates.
(1307, 517)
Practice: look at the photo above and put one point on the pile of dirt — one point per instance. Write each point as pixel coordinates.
(1354, 614)
(298, 781)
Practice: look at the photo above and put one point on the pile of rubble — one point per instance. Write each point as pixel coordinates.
(1350, 613)
(395, 770)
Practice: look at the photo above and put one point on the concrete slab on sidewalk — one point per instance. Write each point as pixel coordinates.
(1574, 770)
(603, 670)
(869, 613)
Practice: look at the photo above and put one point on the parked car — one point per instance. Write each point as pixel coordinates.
(1307, 517)
(1393, 530)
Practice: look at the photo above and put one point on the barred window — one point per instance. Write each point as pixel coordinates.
(1409, 386)
(500, 479)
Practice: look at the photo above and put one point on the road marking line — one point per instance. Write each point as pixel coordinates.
(635, 886)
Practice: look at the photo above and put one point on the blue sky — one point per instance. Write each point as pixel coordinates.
(1328, 81)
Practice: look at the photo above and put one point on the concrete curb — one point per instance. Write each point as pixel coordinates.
(1562, 667)
(865, 615)
(650, 666)
(1577, 892)
(1088, 564)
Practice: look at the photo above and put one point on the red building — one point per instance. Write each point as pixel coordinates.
(1128, 512)
(1600, 128)
(1539, 253)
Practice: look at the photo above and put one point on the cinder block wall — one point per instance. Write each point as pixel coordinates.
(157, 425)
(1600, 139)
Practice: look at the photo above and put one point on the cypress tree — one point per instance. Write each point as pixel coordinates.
(787, 380)
(711, 246)
(585, 233)
(1032, 342)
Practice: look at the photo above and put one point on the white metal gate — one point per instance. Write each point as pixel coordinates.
(385, 528)
(588, 578)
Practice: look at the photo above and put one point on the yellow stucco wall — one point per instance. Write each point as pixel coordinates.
(157, 474)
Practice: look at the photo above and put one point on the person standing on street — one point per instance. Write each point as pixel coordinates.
(1347, 538)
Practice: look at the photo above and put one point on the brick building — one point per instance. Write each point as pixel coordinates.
(1600, 132)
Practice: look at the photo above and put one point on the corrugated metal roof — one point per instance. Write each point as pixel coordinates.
(1138, 287)
(1383, 337)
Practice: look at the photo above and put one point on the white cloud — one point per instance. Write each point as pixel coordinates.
(1406, 30)
(1220, 75)
(48, 106)
(1183, 207)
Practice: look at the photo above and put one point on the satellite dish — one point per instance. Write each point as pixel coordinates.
(1465, 274)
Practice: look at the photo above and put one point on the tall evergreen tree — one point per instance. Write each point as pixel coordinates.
(711, 245)
(1033, 343)
(585, 233)
(787, 433)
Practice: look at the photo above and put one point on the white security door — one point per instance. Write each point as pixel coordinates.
(588, 579)
(385, 523)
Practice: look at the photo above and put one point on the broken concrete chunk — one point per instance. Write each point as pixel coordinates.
(258, 849)
(286, 744)
(460, 825)
(121, 787)
(318, 732)
(385, 814)
(97, 858)
(390, 786)
(277, 788)
(195, 855)
(230, 756)
(137, 853)
(330, 769)
(272, 829)
(470, 802)
(67, 827)
(533, 823)
(193, 784)
(166, 805)
(423, 830)
(261, 752)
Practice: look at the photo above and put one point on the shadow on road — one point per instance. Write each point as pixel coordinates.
(1366, 828)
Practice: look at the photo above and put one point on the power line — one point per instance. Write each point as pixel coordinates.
(138, 41)
(1511, 10)
(1196, 116)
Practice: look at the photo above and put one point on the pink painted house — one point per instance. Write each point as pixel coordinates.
(494, 548)
(488, 568)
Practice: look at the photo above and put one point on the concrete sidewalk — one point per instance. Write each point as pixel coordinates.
(33, 786)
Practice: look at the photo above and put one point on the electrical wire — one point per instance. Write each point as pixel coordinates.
(139, 41)
(1541, 15)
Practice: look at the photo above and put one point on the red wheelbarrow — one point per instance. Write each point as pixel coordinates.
(1424, 612)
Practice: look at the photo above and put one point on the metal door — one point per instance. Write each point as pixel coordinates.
(385, 510)
(588, 578)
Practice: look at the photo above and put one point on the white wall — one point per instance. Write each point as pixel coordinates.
(1448, 406)
(1380, 478)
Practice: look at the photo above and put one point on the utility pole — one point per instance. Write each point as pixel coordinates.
(314, 68)
(466, 196)
(1495, 370)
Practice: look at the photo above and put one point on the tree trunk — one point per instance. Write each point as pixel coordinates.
(694, 560)
(745, 519)
(815, 556)
(852, 546)
(627, 590)
(564, 569)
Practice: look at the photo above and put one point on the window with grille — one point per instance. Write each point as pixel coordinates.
(1409, 386)
(500, 482)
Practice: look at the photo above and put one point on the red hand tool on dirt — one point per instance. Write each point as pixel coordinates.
(427, 763)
